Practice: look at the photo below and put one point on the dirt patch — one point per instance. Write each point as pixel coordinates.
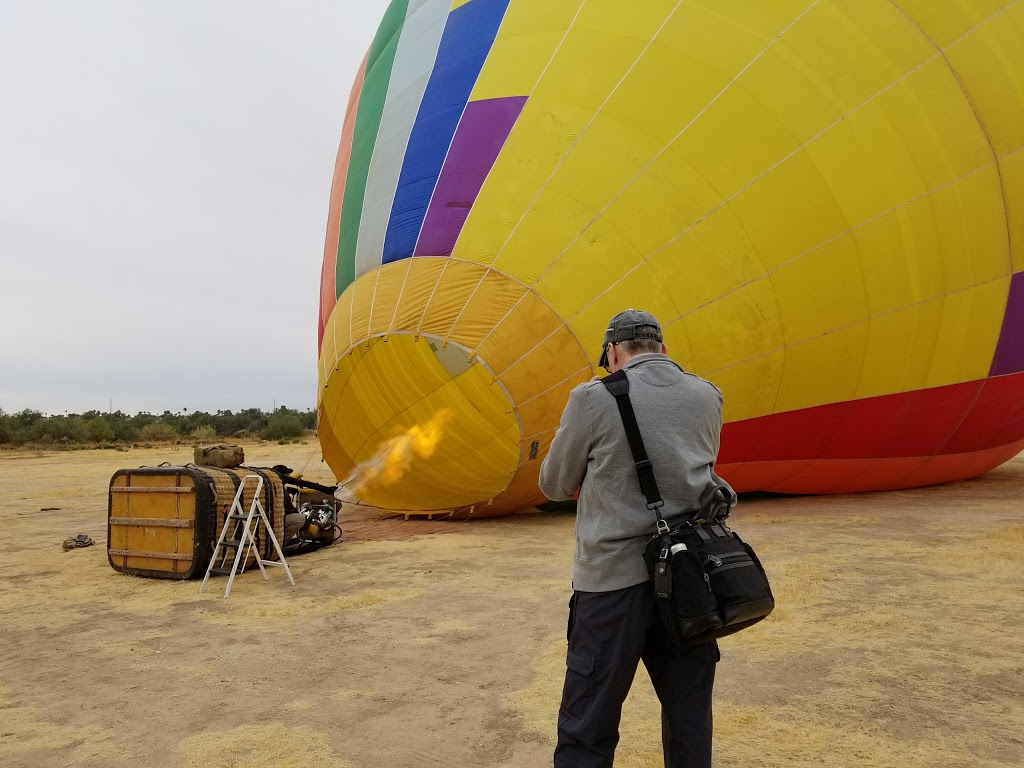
(897, 641)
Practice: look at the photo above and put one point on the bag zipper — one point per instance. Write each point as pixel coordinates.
(707, 579)
(718, 560)
(729, 566)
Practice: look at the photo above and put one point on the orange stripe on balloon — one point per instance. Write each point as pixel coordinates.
(328, 290)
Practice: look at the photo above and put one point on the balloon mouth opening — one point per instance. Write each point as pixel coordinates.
(410, 423)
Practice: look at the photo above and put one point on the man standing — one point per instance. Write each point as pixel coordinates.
(613, 618)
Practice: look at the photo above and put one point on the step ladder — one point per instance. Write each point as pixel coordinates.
(243, 529)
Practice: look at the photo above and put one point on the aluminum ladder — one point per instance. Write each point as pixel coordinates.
(243, 529)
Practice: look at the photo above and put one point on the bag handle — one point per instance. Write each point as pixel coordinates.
(618, 385)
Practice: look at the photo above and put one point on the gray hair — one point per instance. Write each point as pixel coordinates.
(635, 347)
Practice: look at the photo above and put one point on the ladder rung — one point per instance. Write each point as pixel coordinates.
(246, 537)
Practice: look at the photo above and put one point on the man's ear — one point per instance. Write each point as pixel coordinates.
(664, 349)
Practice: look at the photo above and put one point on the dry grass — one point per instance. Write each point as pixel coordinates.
(897, 640)
(28, 731)
(282, 609)
(282, 745)
(887, 648)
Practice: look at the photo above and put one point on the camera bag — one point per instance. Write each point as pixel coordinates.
(707, 582)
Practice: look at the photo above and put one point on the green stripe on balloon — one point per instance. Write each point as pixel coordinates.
(379, 64)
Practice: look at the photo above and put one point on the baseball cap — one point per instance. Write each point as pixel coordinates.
(626, 326)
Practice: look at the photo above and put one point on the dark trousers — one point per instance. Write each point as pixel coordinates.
(609, 633)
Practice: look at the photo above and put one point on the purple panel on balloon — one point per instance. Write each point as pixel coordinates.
(482, 133)
(1009, 357)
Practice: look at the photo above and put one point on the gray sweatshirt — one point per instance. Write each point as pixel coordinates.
(680, 418)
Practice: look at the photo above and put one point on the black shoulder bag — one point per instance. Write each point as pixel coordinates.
(707, 582)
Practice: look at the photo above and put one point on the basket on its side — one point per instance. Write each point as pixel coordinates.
(163, 522)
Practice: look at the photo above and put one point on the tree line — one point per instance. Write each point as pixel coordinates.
(31, 427)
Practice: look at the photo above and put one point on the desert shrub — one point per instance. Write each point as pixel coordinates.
(203, 432)
(58, 429)
(30, 427)
(282, 425)
(98, 430)
(26, 418)
(158, 432)
(125, 431)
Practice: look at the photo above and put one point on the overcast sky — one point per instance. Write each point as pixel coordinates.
(165, 169)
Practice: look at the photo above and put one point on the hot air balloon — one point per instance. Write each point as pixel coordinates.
(821, 200)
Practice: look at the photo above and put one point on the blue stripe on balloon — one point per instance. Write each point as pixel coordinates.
(465, 45)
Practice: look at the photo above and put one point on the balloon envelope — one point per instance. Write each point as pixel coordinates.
(823, 203)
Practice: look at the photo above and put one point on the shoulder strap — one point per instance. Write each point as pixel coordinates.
(618, 385)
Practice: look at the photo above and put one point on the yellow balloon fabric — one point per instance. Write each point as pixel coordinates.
(823, 203)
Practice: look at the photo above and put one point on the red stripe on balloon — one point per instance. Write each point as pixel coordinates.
(860, 475)
(328, 290)
(863, 444)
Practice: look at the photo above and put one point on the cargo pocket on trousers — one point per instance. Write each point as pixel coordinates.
(578, 692)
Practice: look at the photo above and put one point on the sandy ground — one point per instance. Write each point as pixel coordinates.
(897, 640)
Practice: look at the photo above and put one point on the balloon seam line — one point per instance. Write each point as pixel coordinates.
(401, 293)
(675, 138)
(984, 131)
(848, 326)
(840, 235)
(490, 171)
(455, 132)
(590, 122)
(732, 197)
